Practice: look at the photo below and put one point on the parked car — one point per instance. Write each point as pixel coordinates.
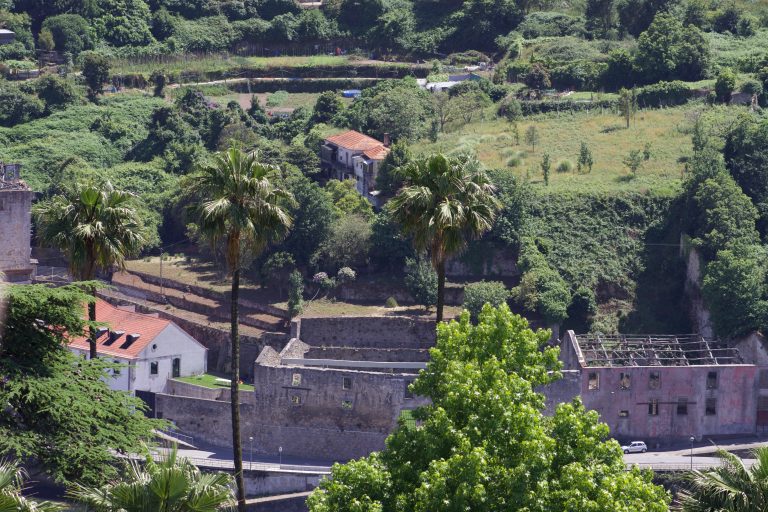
(635, 447)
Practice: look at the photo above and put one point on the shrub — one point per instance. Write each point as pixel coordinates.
(510, 108)
(664, 94)
(295, 294)
(752, 86)
(421, 281)
(18, 107)
(547, 23)
(56, 92)
(158, 79)
(476, 295)
(542, 289)
(95, 69)
(725, 84)
(70, 32)
(345, 275)
(391, 303)
(564, 166)
(277, 98)
(277, 269)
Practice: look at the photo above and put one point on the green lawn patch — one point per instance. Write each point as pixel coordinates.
(209, 381)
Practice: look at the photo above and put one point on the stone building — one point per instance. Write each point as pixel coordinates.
(353, 155)
(660, 389)
(16, 264)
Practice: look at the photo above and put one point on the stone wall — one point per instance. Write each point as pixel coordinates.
(369, 354)
(279, 504)
(697, 311)
(15, 234)
(206, 420)
(370, 331)
(222, 394)
(561, 391)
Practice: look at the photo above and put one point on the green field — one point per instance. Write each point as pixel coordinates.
(209, 381)
(668, 131)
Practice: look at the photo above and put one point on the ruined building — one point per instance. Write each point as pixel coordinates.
(16, 265)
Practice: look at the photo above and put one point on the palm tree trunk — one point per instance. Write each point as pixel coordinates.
(237, 444)
(440, 289)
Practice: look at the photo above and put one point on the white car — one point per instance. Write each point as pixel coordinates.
(635, 447)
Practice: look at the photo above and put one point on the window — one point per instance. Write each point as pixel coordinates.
(763, 379)
(594, 381)
(625, 381)
(295, 399)
(346, 405)
(654, 380)
(710, 408)
(682, 406)
(653, 408)
(346, 383)
(176, 367)
(712, 380)
(623, 414)
(296, 380)
(153, 368)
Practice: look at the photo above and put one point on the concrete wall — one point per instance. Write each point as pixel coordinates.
(206, 420)
(264, 483)
(16, 222)
(378, 331)
(698, 312)
(223, 394)
(735, 396)
(368, 354)
(561, 391)
(170, 344)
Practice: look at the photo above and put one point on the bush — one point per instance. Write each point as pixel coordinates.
(752, 86)
(56, 92)
(548, 23)
(510, 108)
(277, 269)
(725, 84)
(663, 94)
(542, 289)
(476, 295)
(71, 33)
(564, 166)
(421, 281)
(391, 303)
(295, 294)
(345, 275)
(18, 107)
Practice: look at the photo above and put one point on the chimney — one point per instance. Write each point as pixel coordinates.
(387, 141)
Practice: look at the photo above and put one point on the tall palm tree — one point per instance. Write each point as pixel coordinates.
(444, 203)
(11, 500)
(731, 487)
(240, 203)
(169, 484)
(96, 226)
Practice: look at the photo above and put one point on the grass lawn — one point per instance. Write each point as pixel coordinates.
(325, 307)
(666, 130)
(209, 381)
(203, 274)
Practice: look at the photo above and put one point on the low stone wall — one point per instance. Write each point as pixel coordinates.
(317, 443)
(280, 504)
(206, 420)
(369, 354)
(378, 294)
(369, 331)
(262, 483)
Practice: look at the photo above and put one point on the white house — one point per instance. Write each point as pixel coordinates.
(153, 349)
(353, 155)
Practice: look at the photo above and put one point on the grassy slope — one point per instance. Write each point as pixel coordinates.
(667, 131)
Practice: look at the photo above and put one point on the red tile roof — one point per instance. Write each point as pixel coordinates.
(377, 153)
(148, 327)
(354, 140)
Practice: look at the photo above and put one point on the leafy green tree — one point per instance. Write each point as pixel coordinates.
(389, 247)
(730, 486)
(276, 270)
(532, 136)
(670, 51)
(538, 77)
(421, 281)
(444, 203)
(627, 104)
(347, 200)
(11, 484)
(295, 294)
(734, 290)
(397, 107)
(239, 203)
(635, 16)
(123, 22)
(746, 157)
(56, 92)
(96, 226)
(724, 85)
(168, 483)
(71, 33)
(633, 161)
(96, 73)
(542, 289)
(470, 105)
(546, 167)
(476, 295)
(158, 80)
(483, 442)
(327, 106)
(586, 160)
(58, 408)
(388, 181)
(600, 16)
(18, 107)
(348, 244)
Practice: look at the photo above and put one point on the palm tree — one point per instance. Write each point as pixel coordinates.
(96, 226)
(11, 500)
(239, 202)
(169, 484)
(444, 203)
(731, 487)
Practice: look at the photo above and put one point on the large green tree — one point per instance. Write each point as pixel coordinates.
(670, 51)
(730, 487)
(444, 203)
(166, 483)
(58, 408)
(239, 203)
(96, 226)
(483, 442)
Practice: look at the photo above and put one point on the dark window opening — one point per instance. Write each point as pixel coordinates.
(176, 367)
(296, 379)
(625, 381)
(623, 414)
(653, 408)
(296, 400)
(116, 371)
(682, 406)
(654, 380)
(346, 383)
(710, 408)
(594, 381)
(712, 380)
(153, 368)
